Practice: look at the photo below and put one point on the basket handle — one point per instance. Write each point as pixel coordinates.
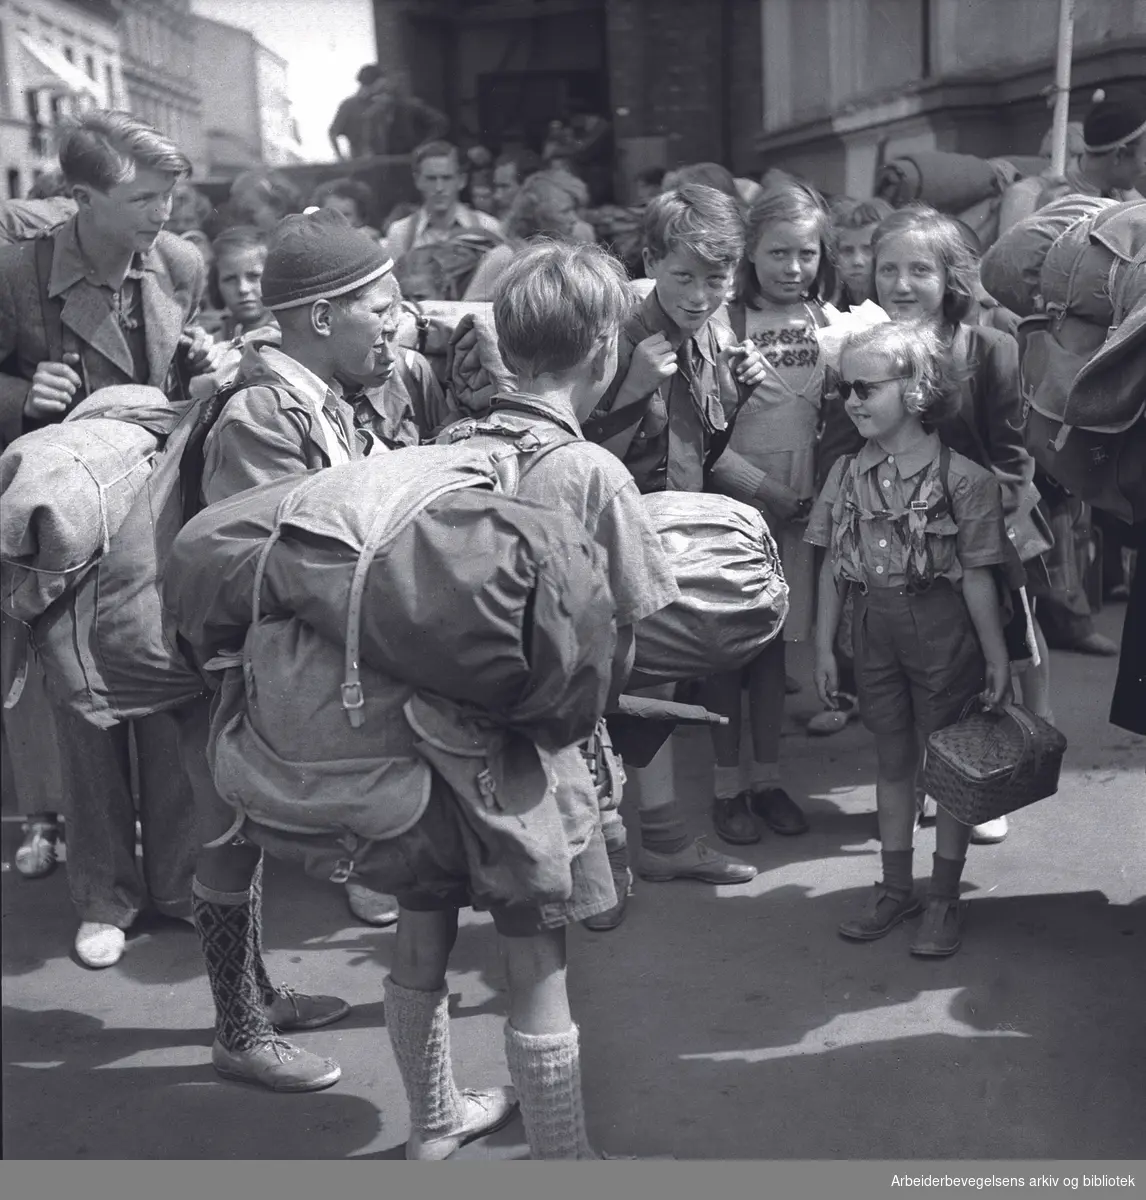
(1026, 725)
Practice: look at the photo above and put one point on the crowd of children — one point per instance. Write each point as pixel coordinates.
(892, 473)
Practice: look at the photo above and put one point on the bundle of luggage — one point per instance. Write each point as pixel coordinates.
(1076, 272)
(962, 185)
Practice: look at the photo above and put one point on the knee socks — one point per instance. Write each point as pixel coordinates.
(224, 921)
(546, 1072)
(266, 988)
(419, 1028)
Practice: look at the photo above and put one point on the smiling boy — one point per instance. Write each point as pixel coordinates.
(665, 416)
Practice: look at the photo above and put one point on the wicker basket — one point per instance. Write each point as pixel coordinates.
(989, 764)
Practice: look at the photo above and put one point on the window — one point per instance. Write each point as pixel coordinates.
(90, 66)
(13, 184)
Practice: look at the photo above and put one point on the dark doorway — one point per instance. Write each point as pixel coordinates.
(517, 106)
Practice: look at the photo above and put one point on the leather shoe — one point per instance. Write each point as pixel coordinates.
(732, 820)
(697, 861)
(278, 1065)
(779, 811)
(938, 935)
(292, 1010)
(483, 1112)
(371, 907)
(882, 915)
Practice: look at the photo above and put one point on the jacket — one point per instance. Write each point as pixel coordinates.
(267, 430)
(170, 286)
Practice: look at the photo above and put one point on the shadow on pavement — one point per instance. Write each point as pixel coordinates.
(796, 1044)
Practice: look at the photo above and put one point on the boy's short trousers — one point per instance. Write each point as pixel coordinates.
(917, 658)
(427, 869)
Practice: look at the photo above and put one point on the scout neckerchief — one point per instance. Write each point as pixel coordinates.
(930, 500)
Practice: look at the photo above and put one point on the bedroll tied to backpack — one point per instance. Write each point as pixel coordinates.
(733, 600)
(1082, 354)
(471, 593)
(90, 508)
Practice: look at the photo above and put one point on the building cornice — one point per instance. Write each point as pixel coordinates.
(977, 90)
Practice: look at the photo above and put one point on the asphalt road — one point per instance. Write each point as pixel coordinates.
(716, 1022)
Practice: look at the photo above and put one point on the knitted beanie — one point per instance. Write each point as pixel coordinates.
(317, 256)
(1115, 122)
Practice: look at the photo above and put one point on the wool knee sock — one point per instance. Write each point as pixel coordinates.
(663, 830)
(268, 989)
(897, 871)
(945, 876)
(223, 920)
(546, 1072)
(419, 1027)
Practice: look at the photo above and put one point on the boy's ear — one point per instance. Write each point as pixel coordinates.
(321, 317)
(650, 260)
(82, 194)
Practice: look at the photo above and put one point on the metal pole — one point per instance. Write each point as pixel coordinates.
(1062, 86)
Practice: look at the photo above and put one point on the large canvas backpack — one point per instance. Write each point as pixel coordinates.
(91, 509)
(470, 591)
(1081, 361)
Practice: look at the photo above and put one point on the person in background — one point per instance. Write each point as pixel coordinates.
(541, 208)
(1023, 196)
(261, 198)
(395, 121)
(709, 174)
(190, 209)
(678, 381)
(769, 463)
(240, 255)
(480, 191)
(853, 224)
(350, 197)
(48, 204)
(915, 531)
(1113, 159)
(349, 120)
(510, 171)
(439, 178)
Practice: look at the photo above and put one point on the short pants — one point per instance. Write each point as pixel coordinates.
(917, 658)
(427, 870)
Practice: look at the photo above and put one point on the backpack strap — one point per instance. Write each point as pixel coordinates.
(43, 248)
(192, 463)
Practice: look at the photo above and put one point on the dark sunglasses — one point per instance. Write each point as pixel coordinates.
(862, 387)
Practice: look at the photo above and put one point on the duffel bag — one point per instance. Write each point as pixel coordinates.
(733, 598)
(480, 596)
(947, 181)
(108, 651)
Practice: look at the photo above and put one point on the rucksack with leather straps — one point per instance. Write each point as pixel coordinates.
(91, 509)
(1082, 363)
(471, 591)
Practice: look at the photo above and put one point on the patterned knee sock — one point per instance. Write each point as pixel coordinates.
(223, 920)
(268, 990)
(546, 1072)
(419, 1028)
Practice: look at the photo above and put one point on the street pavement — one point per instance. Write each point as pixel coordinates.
(727, 1023)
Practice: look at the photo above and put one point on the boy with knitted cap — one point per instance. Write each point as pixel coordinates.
(332, 291)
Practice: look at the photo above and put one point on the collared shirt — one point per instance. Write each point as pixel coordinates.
(594, 487)
(415, 230)
(971, 535)
(70, 267)
(672, 441)
(323, 398)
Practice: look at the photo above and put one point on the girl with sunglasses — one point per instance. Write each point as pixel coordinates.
(914, 531)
